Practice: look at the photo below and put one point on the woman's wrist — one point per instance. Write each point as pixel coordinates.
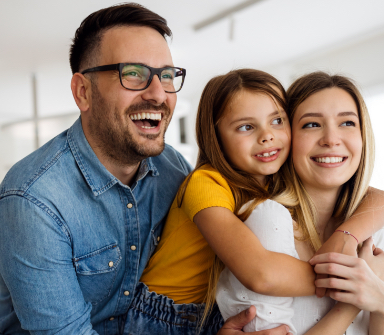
(347, 233)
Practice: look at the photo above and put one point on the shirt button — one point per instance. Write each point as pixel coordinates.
(158, 238)
(111, 318)
(129, 205)
(133, 247)
(110, 264)
(126, 292)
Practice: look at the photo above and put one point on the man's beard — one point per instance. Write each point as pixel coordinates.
(113, 137)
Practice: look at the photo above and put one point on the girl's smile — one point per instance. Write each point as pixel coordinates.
(255, 134)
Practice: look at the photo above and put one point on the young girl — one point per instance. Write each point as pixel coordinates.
(244, 138)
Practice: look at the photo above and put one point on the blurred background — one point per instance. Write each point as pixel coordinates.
(286, 38)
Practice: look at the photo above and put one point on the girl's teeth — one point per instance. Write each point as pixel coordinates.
(268, 154)
(329, 159)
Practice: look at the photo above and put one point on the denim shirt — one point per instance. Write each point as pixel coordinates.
(74, 240)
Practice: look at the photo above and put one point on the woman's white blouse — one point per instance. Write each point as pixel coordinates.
(272, 224)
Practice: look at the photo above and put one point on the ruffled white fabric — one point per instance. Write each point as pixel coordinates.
(272, 224)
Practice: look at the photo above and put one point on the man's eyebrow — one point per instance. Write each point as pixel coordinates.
(349, 113)
(145, 64)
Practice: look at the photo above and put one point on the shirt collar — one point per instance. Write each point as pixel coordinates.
(98, 178)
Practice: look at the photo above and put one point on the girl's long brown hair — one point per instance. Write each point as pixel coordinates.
(215, 102)
(354, 190)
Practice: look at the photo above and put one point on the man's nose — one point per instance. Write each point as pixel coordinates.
(155, 93)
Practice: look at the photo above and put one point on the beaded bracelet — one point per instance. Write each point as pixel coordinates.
(348, 233)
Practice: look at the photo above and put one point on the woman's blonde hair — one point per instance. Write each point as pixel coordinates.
(215, 103)
(354, 190)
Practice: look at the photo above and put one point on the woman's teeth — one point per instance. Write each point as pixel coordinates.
(328, 159)
(268, 154)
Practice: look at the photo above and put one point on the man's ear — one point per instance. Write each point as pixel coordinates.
(81, 91)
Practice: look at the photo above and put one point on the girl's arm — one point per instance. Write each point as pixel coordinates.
(258, 269)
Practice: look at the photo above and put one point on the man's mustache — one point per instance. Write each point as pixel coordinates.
(148, 106)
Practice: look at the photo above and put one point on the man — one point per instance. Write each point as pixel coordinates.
(81, 216)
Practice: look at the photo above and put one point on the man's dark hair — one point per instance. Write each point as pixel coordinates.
(88, 36)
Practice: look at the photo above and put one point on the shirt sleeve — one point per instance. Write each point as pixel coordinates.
(206, 188)
(37, 270)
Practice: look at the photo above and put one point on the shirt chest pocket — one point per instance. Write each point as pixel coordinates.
(155, 237)
(96, 272)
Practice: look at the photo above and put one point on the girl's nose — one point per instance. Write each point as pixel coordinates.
(266, 136)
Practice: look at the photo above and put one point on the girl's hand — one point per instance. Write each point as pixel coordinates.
(235, 324)
(356, 282)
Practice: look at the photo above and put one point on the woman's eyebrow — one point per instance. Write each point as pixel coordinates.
(321, 115)
(347, 114)
(311, 115)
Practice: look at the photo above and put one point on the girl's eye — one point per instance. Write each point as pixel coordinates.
(311, 125)
(278, 120)
(246, 127)
(349, 124)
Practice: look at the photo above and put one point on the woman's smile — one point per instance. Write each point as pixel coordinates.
(326, 139)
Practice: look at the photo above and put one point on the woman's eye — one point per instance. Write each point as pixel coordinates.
(311, 125)
(348, 124)
(246, 127)
(278, 120)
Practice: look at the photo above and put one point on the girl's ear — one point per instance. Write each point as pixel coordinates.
(81, 91)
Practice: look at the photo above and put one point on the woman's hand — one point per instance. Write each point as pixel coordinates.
(235, 324)
(338, 242)
(356, 282)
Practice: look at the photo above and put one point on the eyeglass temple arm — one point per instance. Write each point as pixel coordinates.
(102, 68)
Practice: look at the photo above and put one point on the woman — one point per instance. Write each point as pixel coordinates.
(331, 163)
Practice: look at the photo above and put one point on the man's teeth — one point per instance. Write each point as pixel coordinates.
(328, 159)
(268, 154)
(148, 116)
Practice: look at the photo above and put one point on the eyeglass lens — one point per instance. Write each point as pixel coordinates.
(135, 76)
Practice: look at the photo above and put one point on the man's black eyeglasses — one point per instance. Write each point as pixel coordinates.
(137, 77)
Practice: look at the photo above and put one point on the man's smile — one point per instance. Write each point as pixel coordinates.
(146, 120)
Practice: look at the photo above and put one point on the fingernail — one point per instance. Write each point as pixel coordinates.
(287, 329)
(247, 311)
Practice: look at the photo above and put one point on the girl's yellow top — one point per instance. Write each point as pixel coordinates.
(180, 265)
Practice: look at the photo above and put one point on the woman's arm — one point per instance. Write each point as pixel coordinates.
(336, 321)
(367, 220)
(258, 269)
(360, 281)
